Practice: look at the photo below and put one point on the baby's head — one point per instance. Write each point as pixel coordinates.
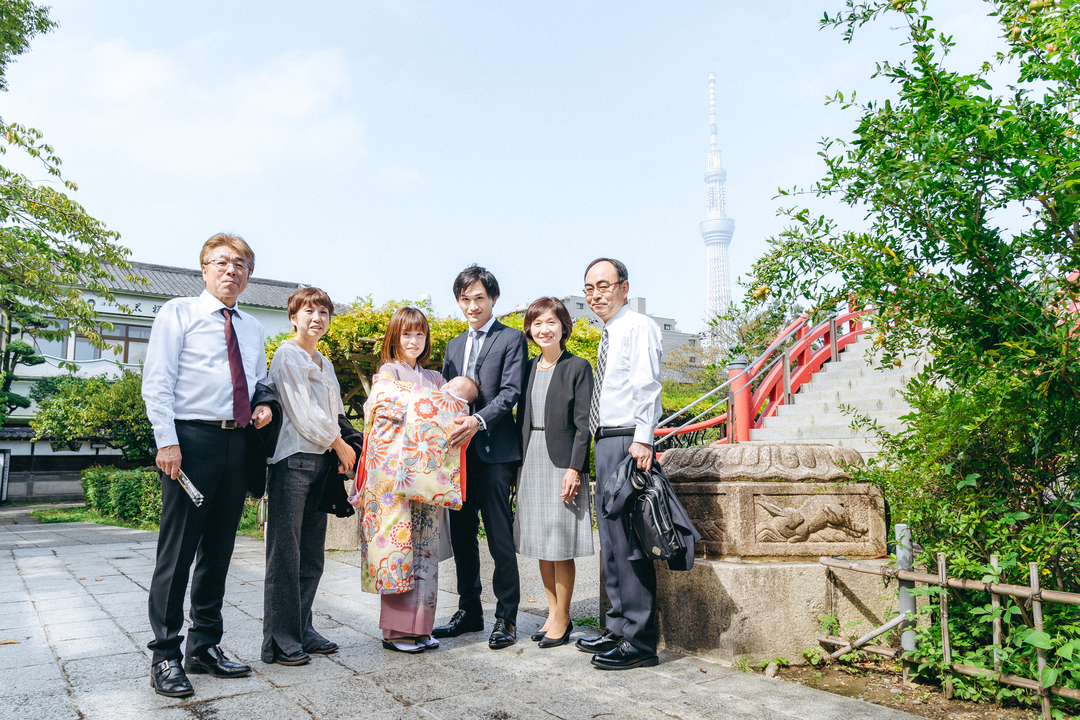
(463, 388)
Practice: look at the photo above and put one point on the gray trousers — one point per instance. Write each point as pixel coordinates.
(295, 538)
(631, 585)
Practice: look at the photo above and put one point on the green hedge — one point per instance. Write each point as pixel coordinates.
(129, 495)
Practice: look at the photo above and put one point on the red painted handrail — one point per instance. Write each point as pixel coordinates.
(770, 394)
(806, 361)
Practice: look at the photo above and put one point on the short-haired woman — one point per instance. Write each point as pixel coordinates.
(552, 522)
(407, 618)
(307, 387)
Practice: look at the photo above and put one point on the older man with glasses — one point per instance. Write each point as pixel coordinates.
(625, 410)
(204, 392)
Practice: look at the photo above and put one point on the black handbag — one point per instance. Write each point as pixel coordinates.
(650, 517)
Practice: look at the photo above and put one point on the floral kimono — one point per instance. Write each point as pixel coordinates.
(407, 452)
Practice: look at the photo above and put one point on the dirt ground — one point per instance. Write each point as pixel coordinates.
(881, 683)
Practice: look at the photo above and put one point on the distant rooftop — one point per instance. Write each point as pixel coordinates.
(171, 282)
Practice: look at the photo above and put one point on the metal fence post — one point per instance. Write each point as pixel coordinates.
(943, 603)
(834, 348)
(788, 397)
(904, 561)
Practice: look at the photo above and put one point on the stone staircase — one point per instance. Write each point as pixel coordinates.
(815, 416)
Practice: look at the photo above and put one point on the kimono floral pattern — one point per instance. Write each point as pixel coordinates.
(407, 461)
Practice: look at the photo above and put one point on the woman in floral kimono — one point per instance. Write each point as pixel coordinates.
(407, 617)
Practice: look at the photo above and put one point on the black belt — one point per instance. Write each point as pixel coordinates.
(537, 428)
(615, 431)
(223, 424)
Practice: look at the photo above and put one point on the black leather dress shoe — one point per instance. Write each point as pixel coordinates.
(601, 644)
(461, 622)
(327, 648)
(169, 679)
(624, 657)
(504, 634)
(546, 642)
(297, 658)
(212, 660)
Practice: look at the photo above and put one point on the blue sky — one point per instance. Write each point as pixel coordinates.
(377, 148)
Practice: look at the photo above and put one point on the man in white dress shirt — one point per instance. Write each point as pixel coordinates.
(624, 413)
(201, 384)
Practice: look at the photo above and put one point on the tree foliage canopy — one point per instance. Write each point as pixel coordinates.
(971, 247)
(51, 250)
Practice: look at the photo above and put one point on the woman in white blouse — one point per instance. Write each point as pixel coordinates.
(305, 383)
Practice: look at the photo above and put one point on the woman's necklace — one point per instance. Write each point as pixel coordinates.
(542, 366)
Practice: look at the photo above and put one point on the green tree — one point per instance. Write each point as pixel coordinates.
(50, 248)
(354, 341)
(989, 463)
(72, 408)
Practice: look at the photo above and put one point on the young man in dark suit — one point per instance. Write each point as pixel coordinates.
(493, 355)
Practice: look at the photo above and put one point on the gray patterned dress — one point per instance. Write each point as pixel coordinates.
(545, 527)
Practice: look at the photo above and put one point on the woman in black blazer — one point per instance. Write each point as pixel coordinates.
(552, 521)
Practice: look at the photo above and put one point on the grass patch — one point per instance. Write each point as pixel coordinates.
(589, 622)
(249, 521)
(85, 514)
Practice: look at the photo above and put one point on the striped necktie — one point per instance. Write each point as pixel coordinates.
(598, 386)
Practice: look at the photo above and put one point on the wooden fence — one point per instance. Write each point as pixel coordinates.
(1031, 592)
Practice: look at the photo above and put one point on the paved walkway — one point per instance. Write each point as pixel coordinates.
(73, 634)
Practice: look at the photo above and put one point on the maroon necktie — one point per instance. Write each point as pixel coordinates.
(241, 401)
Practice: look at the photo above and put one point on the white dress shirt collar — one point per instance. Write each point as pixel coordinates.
(213, 305)
(486, 327)
(619, 315)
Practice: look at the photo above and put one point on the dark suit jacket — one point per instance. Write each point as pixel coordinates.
(618, 498)
(333, 498)
(261, 443)
(501, 369)
(566, 411)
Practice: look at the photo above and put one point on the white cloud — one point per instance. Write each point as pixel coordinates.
(158, 111)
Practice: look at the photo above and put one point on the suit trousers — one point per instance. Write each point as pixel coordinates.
(487, 494)
(214, 460)
(295, 541)
(630, 584)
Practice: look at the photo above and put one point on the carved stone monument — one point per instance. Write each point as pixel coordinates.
(766, 513)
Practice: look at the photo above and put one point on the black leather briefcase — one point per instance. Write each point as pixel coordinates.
(650, 517)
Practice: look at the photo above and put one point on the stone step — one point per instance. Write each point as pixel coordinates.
(848, 397)
(821, 383)
(834, 419)
(866, 446)
(895, 404)
(815, 432)
(855, 367)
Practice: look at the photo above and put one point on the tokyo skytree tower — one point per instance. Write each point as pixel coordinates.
(717, 228)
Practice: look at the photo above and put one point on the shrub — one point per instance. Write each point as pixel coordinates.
(129, 495)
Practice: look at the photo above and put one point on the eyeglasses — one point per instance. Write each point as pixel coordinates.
(604, 288)
(239, 265)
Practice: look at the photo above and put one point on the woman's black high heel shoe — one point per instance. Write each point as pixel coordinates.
(546, 643)
(537, 636)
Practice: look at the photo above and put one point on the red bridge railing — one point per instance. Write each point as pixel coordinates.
(781, 374)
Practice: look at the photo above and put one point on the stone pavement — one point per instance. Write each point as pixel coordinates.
(73, 634)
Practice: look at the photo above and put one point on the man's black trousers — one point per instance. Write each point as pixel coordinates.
(630, 584)
(487, 495)
(214, 460)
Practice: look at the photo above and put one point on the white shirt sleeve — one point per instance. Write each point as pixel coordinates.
(159, 374)
(646, 349)
(304, 396)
